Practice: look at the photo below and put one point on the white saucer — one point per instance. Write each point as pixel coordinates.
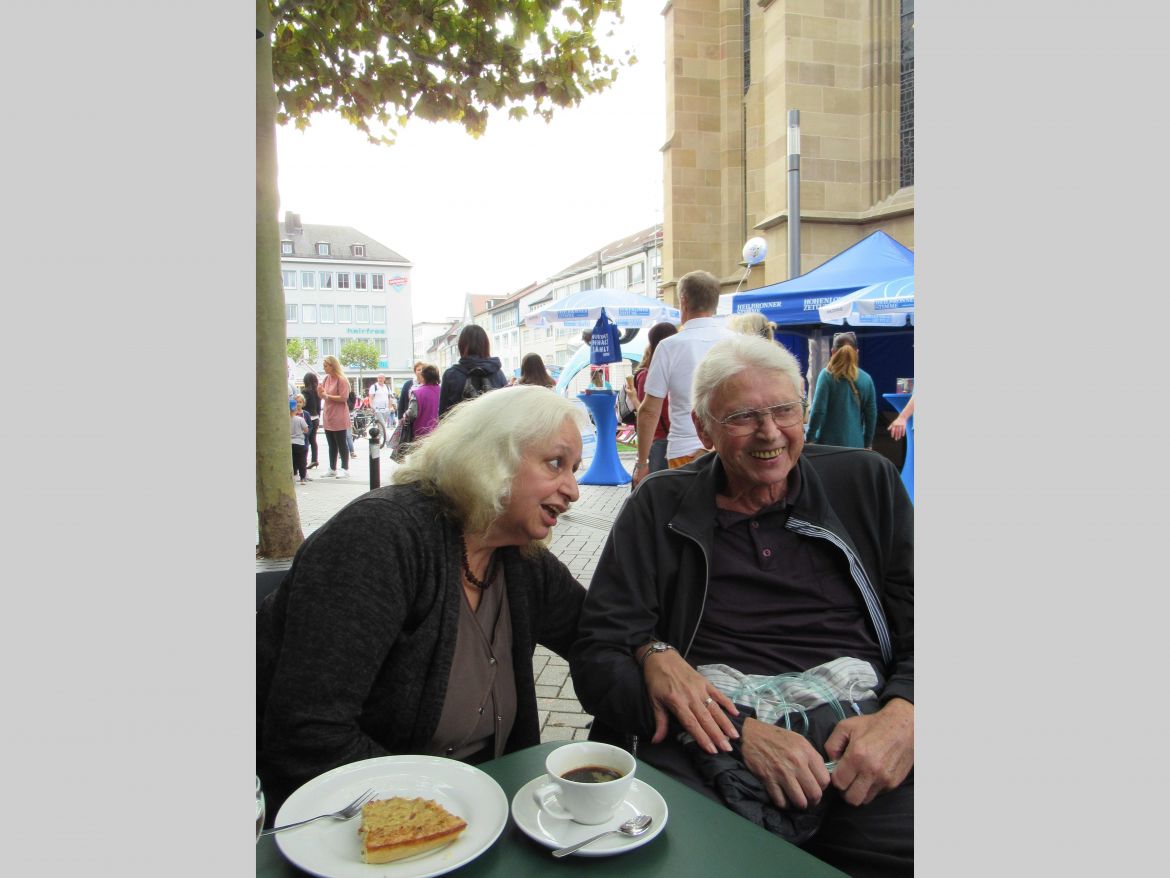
(553, 832)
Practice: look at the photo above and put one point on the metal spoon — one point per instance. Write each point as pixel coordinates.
(633, 827)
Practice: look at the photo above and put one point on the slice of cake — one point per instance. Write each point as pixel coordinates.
(395, 828)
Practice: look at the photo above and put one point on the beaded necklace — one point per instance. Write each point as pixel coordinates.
(488, 574)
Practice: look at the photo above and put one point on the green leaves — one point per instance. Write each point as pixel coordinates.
(359, 355)
(385, 62)
(305, 349)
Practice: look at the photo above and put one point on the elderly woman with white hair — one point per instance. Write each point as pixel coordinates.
(752, 323)
(408, 621)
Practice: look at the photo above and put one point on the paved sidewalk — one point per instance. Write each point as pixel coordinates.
(577, 540)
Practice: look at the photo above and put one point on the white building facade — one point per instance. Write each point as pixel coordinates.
(341, 285)
(632, 264)
(425, 333)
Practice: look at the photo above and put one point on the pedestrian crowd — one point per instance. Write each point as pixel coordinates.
(748, 629)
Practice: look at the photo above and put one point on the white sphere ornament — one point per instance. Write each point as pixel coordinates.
(754, 251)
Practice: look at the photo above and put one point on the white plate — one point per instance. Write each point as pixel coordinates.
(554, 832)
(332, 849)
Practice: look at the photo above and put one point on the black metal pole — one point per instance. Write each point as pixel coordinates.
(375, 437)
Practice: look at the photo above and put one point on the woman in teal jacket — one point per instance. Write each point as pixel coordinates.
(844, 406)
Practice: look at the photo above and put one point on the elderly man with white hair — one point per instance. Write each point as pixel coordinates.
(751, 622)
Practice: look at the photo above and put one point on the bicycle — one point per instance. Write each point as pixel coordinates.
(360, 421)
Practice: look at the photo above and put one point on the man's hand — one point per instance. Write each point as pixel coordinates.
(677, 688)
(874, 753)
(792, 772)
(640, 471)
(648, 412)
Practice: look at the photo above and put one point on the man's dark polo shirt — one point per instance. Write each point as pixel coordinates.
(778, 601)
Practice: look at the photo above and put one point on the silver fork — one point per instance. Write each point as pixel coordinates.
(345, 813)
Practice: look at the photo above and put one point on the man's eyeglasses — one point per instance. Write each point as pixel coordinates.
(786, 414)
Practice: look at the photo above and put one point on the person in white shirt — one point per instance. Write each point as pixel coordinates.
(672, 370)
(380, 403)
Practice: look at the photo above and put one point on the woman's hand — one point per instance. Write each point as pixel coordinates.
(676, 688)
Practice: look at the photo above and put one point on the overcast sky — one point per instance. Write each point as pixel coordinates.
(495, 214)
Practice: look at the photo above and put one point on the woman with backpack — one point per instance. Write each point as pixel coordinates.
(844, 406)
(475, 374)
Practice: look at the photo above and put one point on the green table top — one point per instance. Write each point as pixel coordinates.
(701, 838)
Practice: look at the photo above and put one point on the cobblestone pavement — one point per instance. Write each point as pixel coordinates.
(577, 541)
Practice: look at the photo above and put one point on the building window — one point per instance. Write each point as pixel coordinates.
(290, 313)
(586, 284)
(286, 248)
(377, 281)
(357, 249)
(906, 115)
(343, 280)
(359, 280)
(308, 313)
(380, 346)
(326, 315)
(322, 248)
(327, 348)
(378, 313)
(289, 279)
(308, 280)
(344, 314)
(326, 278)
(361, 313)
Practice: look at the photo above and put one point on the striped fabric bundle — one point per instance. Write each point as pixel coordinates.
(844, 679)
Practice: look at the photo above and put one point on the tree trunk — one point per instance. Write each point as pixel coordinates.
(276, 502)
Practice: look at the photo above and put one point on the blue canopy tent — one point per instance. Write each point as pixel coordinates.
(887, 351)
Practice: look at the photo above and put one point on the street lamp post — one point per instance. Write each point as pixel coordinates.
(815, 344)
(793, 193)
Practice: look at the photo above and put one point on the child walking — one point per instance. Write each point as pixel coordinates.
(299, 431)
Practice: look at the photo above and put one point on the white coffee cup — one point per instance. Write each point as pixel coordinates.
(583, 801)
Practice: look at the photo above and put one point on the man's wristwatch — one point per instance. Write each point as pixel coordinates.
(638, 464)
(656, 646)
